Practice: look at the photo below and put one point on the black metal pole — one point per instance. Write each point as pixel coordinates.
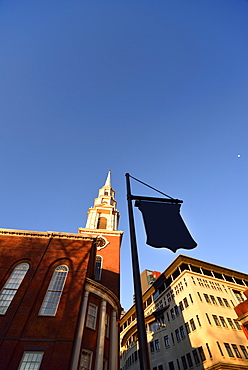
(143, 346)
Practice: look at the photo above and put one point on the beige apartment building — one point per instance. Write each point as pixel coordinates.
(190, 319)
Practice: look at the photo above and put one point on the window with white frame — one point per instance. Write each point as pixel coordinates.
(192, 324)
(237, 324)
(238, 295)
(91, 316)
(223, 322)
(98, 268)
(54, 291)
(166, 341)
(157, 344)
(177, 334)
(182, 332)
(236, 351)
(85, 360)
(243, 349)
(31, 360)
(216, 320)
(228, 349)
(10, 288)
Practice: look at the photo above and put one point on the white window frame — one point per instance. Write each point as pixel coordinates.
(90, 316)
(54, 292)
(81, 365)
(166, 341)
(11, 286)
(31, 358)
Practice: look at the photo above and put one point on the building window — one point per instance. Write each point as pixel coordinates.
(209, 352)
(172, 313)
(177, 334)
(189, 359)
(185, 301)
(171, 365)
(187, 327)
(31, 360)
(181, 306)
(221, 352)
(208, 319)
(230, 322)
(176, 310)
(236, 351)
(216, 320)
(237, 324)
(226, 302)
(161, 322)
(185, 366)
(11, 286)
(182, 332)
(207, 298)
(160, 367)
(223, 322)
(191, 298)
(166, 341)
(202, 354)
(102, 223)
(98, 268)
(228, 349)
(157, 345)
(199, 296)
(198, 320)
(213, 299)
(196, 357)
(172, 337)
(192, 324)
(238, 295)
(54, 291)
(152, 347)
(91, 316)
(245, 353)
(85, 360)
(220, 301)
(107, 319)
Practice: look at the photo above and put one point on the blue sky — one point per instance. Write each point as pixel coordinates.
(154, 88)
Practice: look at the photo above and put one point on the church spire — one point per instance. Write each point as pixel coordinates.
(104, 215)
(108, 179)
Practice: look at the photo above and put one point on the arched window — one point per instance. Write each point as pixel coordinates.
(102, 223)
(54, 291)
(98, 268)
(10, 288)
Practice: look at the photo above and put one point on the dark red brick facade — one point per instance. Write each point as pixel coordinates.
(242, 312)
(21, 328)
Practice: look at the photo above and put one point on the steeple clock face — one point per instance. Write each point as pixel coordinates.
(101, 242)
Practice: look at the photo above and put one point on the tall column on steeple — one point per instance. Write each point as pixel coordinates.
(104, 215)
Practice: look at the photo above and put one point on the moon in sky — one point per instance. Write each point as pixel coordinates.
(238, 155)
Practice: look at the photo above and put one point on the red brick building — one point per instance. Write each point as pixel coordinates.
(242, 312)
(59, 294)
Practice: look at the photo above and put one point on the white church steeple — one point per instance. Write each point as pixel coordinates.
(104, 214)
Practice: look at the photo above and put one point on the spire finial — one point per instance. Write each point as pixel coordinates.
(108, 179)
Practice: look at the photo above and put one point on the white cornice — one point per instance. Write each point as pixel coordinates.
(103, 292)
(45, 234)
(83, 230)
